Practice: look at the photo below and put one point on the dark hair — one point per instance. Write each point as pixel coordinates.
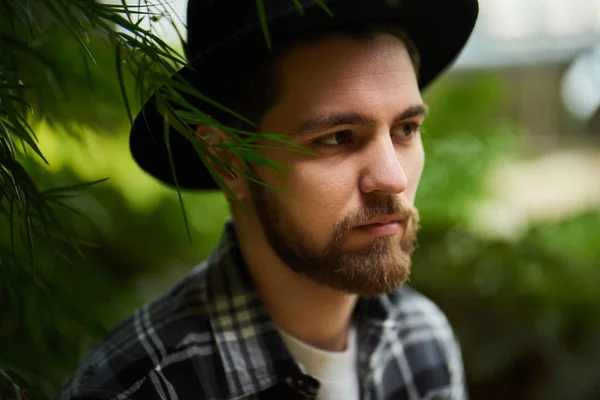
(253, 91)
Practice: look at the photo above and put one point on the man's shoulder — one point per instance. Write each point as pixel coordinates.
(152, 348)
(419, 350)
(420, 324)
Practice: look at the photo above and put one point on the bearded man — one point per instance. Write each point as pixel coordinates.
(305, 295)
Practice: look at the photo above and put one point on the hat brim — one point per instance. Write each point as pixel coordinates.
(438, 28)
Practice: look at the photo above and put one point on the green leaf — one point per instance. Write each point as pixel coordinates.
(166, 136)
(324, 7)
(72, 188)
(120, 78)
(299, 7)
(260, 8)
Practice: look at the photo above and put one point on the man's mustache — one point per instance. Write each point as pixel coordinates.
(375, 206)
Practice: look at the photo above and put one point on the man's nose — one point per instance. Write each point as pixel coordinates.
(383, 171)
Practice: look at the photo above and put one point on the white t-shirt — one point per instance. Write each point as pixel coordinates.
(335, 370)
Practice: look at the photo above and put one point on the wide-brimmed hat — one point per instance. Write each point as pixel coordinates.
(227, 35)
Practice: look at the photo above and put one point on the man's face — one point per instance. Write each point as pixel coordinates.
(357, 106)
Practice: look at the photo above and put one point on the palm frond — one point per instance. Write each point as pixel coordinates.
(36, 84)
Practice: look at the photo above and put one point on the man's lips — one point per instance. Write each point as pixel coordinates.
(385, 219)
(387, 225)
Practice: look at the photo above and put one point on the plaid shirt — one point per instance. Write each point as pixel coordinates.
(210, 337)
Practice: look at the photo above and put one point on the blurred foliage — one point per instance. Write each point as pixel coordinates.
(75, 66)
(525, 309)
(53, 67)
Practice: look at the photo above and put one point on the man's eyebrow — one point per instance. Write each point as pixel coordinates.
(329, 121)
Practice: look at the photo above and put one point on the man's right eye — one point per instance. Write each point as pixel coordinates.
(335, 139)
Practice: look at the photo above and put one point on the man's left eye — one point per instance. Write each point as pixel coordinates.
(409, 129)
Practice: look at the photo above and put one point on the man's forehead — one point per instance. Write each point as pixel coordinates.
(342, 57)
(346, 81)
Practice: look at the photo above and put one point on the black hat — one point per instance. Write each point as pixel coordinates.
(227, 34)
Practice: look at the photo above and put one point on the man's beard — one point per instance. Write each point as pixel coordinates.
(378, 267)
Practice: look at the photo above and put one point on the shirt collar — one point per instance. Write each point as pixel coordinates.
(253, 354)
(252, 351)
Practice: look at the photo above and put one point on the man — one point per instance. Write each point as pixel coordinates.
(305, 295)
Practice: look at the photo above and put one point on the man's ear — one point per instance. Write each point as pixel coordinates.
(223, 161)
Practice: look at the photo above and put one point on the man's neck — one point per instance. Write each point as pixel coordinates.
(315, 314)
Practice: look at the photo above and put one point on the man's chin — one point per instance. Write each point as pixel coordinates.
(367, 245)
(363, 278)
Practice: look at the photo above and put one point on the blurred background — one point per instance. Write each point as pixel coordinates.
(510, 205)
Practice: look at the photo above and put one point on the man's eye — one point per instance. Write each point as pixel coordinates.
(408, 130)
(335, 139)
